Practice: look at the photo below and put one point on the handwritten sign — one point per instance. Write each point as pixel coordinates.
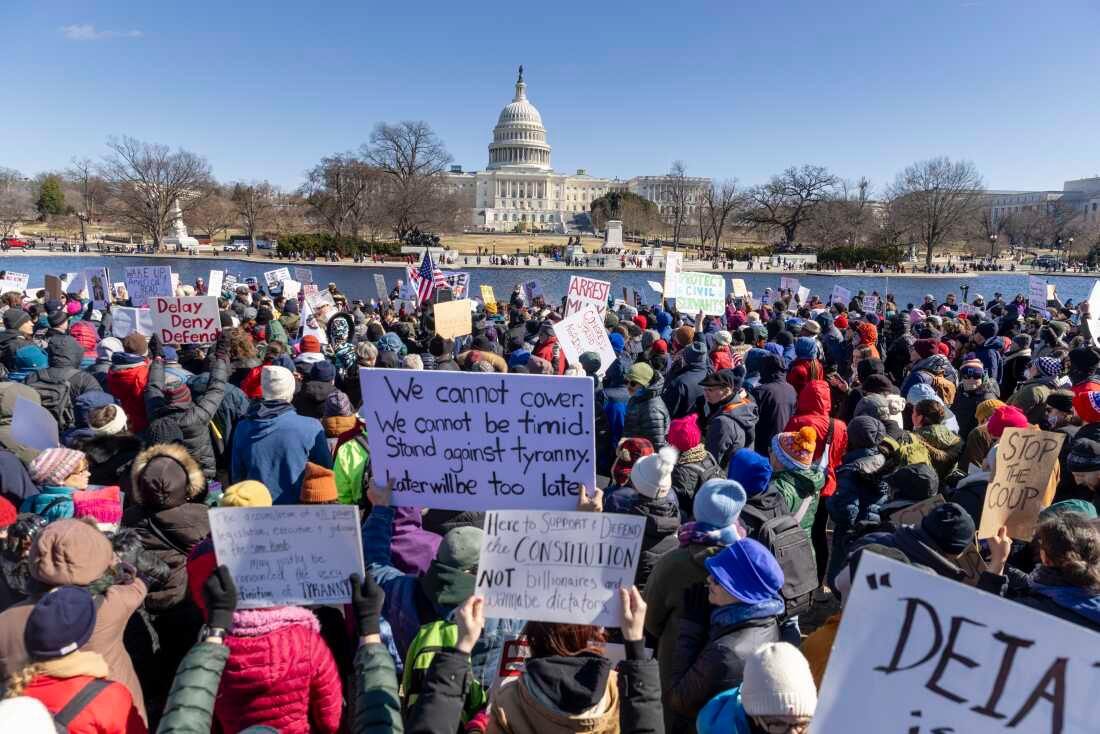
(558, 566)
(380, 287)
(291, 289)
(289, 555)
(841, 295)
(13, 281)
(478, 441)
(215, 282)
(788, 284)
(303, 275)
(701, 292)
(186, 319)
(870, 304)
(739, 287)
(459, 283)
(34, 426)
(584, 332)
(276, 276)
(585, 291)
(943, 657)
(319, 299)
(146, 282)
(125, 321)
(1023, 483)
(1037, 295)
(453, 318)
(674, 265)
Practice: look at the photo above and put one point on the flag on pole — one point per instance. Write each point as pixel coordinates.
(426, 279)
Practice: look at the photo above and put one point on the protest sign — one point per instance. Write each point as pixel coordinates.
(1024, 481)
(148, 281)
(533, 289)
(380, 287)
(459, 283)
(630, 296)
(13, 281)
(319, 299)
(291, 289)
(186, 319)
(739, 287)
(913, 514)
(701, 292)
(53, 287)
(1037, 295)
(841, 295)
(289, 555)
(175, 280)
(584, 291)
(487, 294)
(230, 282)
(788, 284)
(97, 283)
(125, 321)
(276, 276)
(656, 287)
(32, 425)
(870, 304)
(453, 318)
(674, 265)
(444, 295)
(584, 332)
(558, 566)
(72, 282)
(215, 282)
(942, 657)
(803, 294)
(303, 275)
(479, 441)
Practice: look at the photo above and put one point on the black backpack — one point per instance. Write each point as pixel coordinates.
(57, 398)
(792, 548)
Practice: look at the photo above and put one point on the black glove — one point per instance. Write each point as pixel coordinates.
(367, 598)
(221, 598)
(696, 605)
(221, 346)
(156, 349)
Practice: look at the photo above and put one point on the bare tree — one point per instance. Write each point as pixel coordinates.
(89, 187)
(15, 201)
(254, 202)
(718, 207)
(891, 228)
(678, 198)
(335, 191)
(788, 200)
(413, 160)
(844, 216)
(145, 180)
(212, 215)
(938, 196)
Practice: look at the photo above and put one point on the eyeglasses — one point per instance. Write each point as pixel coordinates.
(774, 726)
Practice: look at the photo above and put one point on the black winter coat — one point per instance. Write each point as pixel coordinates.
(192, 419)
(647, 415)
(775, 399)
(170, 535)
(310, 400)
(966, 405)
(682, 388)
(65, 357)
(730, 427)
(111, 458)
(688, 477)
(11, 341)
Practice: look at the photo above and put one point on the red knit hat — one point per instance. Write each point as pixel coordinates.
(659, 347)
(641, 321)
(8, 513)
(684, 433)
(841, 321)
(629, 451)
(1008, 416)
(310, 343)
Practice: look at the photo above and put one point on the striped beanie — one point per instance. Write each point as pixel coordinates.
(795, 450)
(54, 466)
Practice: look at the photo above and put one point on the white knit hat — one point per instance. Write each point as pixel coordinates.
(277, 383)
(25, 715)
(777, 682)
(651, 475)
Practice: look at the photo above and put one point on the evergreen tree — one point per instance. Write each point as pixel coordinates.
(51, 199)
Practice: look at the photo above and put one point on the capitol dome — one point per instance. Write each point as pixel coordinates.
(519, 139)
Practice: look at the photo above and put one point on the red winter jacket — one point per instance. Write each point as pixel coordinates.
(546, 351)
(721, 359)
(812, 409)
(110, 712)
(128, 386)
(803, 371)
(280, 674)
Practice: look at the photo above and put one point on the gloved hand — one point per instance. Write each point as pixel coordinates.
(221, 346)
(221, 598)
(156, 349)
(696, 606)
(367, 598)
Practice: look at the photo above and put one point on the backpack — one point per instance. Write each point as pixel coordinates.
(792, 548)
(430, 639)
(78, 703)
(57, 398)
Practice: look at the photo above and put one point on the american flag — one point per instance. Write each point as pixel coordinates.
(426, 279)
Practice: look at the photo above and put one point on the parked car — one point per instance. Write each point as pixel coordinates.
(12, 242)
(236, 247)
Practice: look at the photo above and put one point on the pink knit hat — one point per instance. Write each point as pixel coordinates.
(1008, 416)
(684, 433)
(103, 505)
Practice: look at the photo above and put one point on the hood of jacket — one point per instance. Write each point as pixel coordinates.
(862, 461)
(814, 399)
(650, 392)
(939, 436)
(196, 482)
(101, 449)
(1049, 583)
(257, 622)
(919, 548)
(805, 481)
(85, 403)
(743, 410)
(64, 351)
(569, 685)
(9, 392)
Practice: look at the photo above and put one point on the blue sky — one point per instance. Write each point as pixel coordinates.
(734, 89)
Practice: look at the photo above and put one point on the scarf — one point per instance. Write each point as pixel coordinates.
(1049, 582)
(693, 455)
(734, 614)
(701, 533)
(446, 586)
(74, 664)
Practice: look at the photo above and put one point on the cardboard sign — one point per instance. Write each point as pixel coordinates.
(54, 291)
(788, 284)
(274, 277)
(146, 282)
(480, 441)
(303, 275)
(453, 318)
(913, 514)
(13, 281)
(701, 292)
(1037, 295)
(655, 287)
(584, 291)
(459, 283)
(487, 295)
(558, 566)
(584, 332)
(186, 319)
(380, 287)
(1024, 482)
(533, 289)
(72, 282)
(289, 555)
(126, 320)
(34, 426)
(674, 265)
(939, 656)
(215, 283)
(870, 304)
(841, 295)
(739, 287)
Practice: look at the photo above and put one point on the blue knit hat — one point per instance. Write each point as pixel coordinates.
(805, 347)
(617, 342)
(60, 623)
(922, 391)
(747, 571)
(717, 504)
(751, 470)
(31, 358)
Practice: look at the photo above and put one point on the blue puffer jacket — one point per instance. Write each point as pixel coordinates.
(723, 714)
(273, 444)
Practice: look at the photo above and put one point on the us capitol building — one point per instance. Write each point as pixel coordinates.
(519, 186)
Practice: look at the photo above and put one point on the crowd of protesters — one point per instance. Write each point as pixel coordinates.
(794, 427)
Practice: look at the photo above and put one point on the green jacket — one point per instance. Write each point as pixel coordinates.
(375, 707)
(795, 486)
(190, 705)
(349, 466)
(277, 332)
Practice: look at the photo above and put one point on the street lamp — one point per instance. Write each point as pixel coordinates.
(992, 246)
(83, 217)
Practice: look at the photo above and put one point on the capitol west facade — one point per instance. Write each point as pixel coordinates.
(519, 187)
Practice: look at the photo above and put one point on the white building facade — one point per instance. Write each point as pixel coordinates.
(1081, 194)
(520, 190)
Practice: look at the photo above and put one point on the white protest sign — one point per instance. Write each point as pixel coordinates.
(584, 332)
(13, 281)
(558, 566)
(186, 319)
(303, 275)
(230, 282)
(289, 555)
(311, 327)
(739, 287)
(656, 287)
(291, 289)
(98, 286)
(841, 295)
(941, 656)
(788, 284)
(72, 282)
(274, 277)
(803, 294)
(215, 283)
(319, 299)
(1024, 482)
(34, 426)
(674, 265)
(125, 321)
(533, 289)
(175, 279)
(380, 287)
(701, 292)
(870, 304)
(148, 281)
(480, 441)
(452, 318)
(1037, 295)
(584, 291)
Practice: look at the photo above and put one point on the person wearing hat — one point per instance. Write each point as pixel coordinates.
(682, 383)
(694, 465)
(628, 452)
(973, 390)
(861, 489)
(319, 383)
(775, 398)
(63, 356)
(127, 378)
(716, 509)
(1040, 380)
(273, 443)
(245, 494)
(795, 475)
(57, 472)
(318, 486)
(721, 354)
(931, 430)
(806, 366)
(347, 439)
(647, 414)
(17, 333)
(723, 622)
(730, 414)
(989, 354)
(937, 542)
(70, 681)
